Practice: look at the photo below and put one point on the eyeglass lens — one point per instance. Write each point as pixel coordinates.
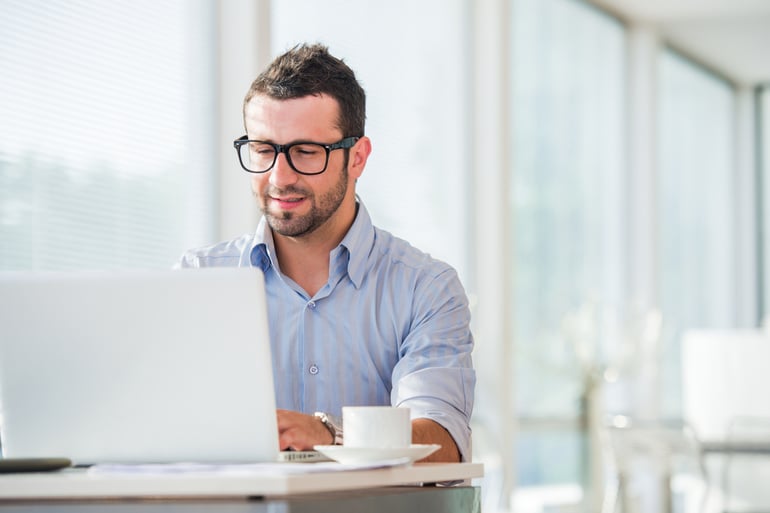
(305, 157)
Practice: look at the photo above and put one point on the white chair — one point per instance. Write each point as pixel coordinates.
(724, 374)
(656, 450)
(724, 379)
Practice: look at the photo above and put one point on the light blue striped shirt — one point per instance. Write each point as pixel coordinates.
(391, 326)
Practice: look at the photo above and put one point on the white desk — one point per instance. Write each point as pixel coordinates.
(460, 499)
(80, 484)
(760, 448)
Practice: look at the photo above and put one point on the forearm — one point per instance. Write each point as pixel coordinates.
(426, 431)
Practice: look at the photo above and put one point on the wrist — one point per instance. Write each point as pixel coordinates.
(333, 425)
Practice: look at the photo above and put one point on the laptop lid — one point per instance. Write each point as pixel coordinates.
(136, 366)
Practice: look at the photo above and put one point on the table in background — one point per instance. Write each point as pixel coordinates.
(736, 447)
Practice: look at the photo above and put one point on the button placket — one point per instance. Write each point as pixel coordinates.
(311, 306)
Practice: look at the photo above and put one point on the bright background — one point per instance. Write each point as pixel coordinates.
(586, 171)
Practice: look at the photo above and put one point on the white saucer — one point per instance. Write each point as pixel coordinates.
(349, 455)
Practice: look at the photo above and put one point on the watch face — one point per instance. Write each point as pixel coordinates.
(334, 428)
(326, 421)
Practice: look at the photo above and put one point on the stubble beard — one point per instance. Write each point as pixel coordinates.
(290, 224)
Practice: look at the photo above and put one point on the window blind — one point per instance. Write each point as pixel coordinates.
(106, 109)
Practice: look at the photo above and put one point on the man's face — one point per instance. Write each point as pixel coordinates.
(294, 204)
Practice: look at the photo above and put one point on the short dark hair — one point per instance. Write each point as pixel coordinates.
(307, 70)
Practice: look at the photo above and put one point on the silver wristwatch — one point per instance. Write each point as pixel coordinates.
(333, 425)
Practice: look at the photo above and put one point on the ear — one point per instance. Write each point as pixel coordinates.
(359, 154)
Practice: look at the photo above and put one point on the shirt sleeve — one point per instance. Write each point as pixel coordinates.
(232, 253)
(434, 376)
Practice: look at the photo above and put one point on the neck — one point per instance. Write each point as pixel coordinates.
(305, 259)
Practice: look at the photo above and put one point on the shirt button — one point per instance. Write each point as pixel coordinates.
(311, 305)
(313, 369)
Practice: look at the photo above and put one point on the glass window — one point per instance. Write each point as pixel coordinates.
(567, 212)
(105, 141)
(416, 181)
(696, 236)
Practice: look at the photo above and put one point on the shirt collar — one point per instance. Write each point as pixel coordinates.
(263, 247)
(355, 246)
(358, 241)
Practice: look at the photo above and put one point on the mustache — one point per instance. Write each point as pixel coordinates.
(291, 189)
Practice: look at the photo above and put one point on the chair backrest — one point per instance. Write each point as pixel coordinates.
(724, 376)
(663, 449)
(660, 441)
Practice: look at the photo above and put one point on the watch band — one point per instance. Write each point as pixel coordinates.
(334, 427)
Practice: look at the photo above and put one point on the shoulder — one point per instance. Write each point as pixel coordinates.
(226, 253)
(399, 255)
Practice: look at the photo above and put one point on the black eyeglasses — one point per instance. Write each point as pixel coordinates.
(306, 158)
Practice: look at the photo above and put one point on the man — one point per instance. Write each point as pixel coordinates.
(357, 316)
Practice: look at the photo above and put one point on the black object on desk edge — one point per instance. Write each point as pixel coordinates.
(11, 465)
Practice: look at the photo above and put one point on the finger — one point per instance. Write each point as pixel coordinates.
(294, 439)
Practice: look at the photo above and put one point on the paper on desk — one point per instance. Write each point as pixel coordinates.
(241, 468)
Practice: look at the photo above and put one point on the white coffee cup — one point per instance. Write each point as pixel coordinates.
(376, 427)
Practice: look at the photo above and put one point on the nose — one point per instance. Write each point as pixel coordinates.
(282, 173)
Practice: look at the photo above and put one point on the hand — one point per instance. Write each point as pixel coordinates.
(300, 432)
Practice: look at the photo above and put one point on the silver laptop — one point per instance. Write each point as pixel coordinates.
(136, 366)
